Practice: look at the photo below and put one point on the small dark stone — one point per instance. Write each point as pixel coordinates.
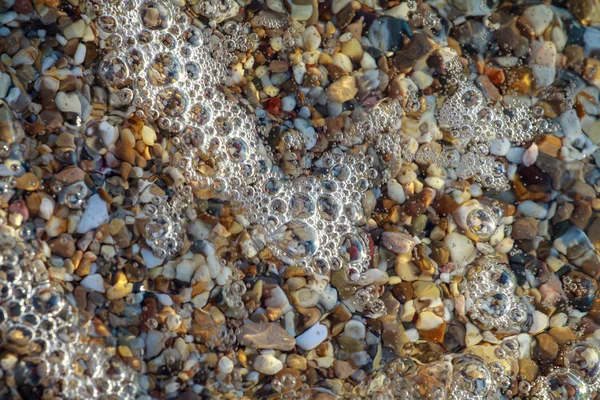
(580, 289)
(386, 33)
(417, 48)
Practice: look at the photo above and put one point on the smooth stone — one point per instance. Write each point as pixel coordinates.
(75, 30)
(93, 282)
(386, 33)
(108, 133)
(355, 330)
(538, 17)
(266, 336)
(288, 103)
(5, 83)
(342, 90)
(398, 242)
(95, 214)
(396, 191)
(525, 228)
(68, 102)
(461, 248)
(225, 365)
(267, 364)
(515, 155)
(591, 39)
(150, 259)
(155, 341)
(530, 208)
(540, 322)
(570, 124)
(312, 337)
(573, 243)
(311, 38)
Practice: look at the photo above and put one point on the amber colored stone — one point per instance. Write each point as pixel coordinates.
(547, 347)
(582, 215)
(521, 80)
(435, 335)
(496, 75)
(445, 205)
(563, 335)
(418, 203)
(531, 183)
(549, 144)
(403, 291)
(529, 369)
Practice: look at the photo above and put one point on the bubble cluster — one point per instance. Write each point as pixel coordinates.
(166, 220)
(305, 216)
(490, 299)
(473, 125)
(44, 336)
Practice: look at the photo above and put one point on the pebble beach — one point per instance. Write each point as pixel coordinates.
(299, 199)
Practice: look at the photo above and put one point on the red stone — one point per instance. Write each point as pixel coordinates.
(23, 6)
(273, 106)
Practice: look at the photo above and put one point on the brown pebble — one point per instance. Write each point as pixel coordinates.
(525, 228)
(418, 203)
(547, 347)
(582, 215)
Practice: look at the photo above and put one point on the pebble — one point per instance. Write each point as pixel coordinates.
(68, 102)
(531, 208)
(266, 336)
(267, 364)
(312, 337)
(95, 214)
(342, 90)
(460, 247)
(226, 365)
(398, 242)
(540, 322)
(395, 191)
(93, 282)
(538, 17)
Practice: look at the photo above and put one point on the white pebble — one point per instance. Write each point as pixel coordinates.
(95, 214)
(505, 245)
(540, 322)
(225, 365)
(68, 102)
(461, 248)
(312, 337)
(311, 38)
(267, 364)
(530, 155)
(412, 335)
(299, 70)
(434, 182)
(530, 208)
(538, 17)
(288, 103)
(80, 53)
(93, 282)
(108, 133)
(396, 191)
(355, 330)
(368, 62)
(342, 61)
(499, 147)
